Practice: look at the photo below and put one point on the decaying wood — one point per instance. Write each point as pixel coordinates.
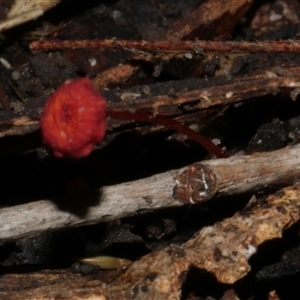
(236, 175)
(233, 175)
(222, 249)
(207, 20)
(225, 248)
(188, 95)
(230, 295)
(18, 125)
(120, 75)
(186, 28)
(179, 97)
(24, 11)
(273, 296)
(113, 202)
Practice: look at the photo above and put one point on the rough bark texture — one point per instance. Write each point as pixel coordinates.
(209, 179)
(222, 249)
(178, 97)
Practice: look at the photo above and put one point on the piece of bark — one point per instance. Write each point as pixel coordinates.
(119, 75)
(234, 175)
(18, 125)
(225, 248)
(230, 295)
(222, 249)
(212, 19)
(177, 97)
(24, 11)
(273, 296)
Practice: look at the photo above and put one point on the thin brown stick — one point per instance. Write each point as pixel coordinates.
(205, 22)
(233, 175)
(196, 46)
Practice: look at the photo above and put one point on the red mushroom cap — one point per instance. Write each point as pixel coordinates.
(73, 119)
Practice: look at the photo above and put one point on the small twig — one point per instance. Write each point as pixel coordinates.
(17, 92)
(234, 175)
(196, 46)
(206, 21)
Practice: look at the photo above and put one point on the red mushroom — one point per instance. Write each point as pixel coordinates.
(73, 119)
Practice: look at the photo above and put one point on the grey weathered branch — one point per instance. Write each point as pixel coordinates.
(199, 182)
(222, 249)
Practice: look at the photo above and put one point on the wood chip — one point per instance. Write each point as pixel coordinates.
(24, 11)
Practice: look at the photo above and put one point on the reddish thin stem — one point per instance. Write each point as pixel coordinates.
(172, 124)
(196, 46)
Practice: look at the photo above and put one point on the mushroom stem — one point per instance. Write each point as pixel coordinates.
(171, 124)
